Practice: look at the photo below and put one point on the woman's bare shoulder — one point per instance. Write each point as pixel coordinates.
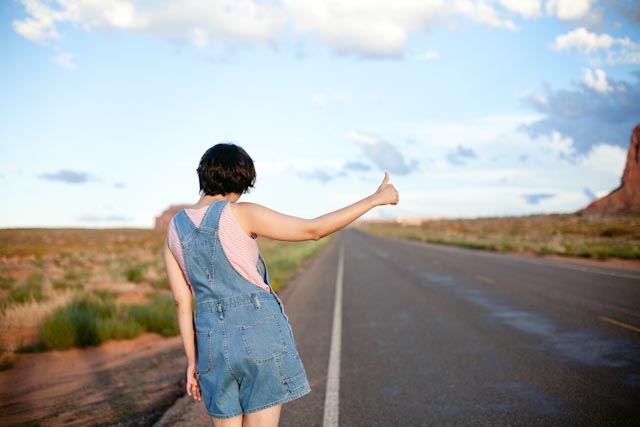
(247, 208)
(243, 211)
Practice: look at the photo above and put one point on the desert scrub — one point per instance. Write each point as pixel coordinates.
(158, 315)
(6, 282)
(161, 283)
(30, 290)
(6, 363)
(79, 263)
(135, 274)
(588, 236)
(87, 321)
(285, 259)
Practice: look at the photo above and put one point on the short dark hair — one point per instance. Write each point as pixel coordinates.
(226, 168)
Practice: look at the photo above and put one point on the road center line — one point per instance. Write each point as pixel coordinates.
(332, 396)
(619, 323)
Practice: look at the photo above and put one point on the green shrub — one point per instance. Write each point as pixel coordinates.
(507, 246)
(473, 245)
(90, 320)
(78, 324)
(58, 332)
(158, 315)
(614, 232)
(118, 329)
(31, 289)
(105, 295)
(135, 274)
(544, 251)
(6, 363)
(59, 284)
(585, 253)
(71, 276)
(39, 261)
(31, 348)
(623, 252)
(6, 282)
(161, 284)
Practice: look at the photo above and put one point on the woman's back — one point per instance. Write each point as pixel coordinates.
(241, 250)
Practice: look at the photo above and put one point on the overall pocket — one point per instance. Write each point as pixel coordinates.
(263, 339)
(204, 356)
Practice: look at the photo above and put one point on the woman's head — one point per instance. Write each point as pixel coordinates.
(226, 168)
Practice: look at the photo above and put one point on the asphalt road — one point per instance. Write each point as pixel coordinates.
(440, 336)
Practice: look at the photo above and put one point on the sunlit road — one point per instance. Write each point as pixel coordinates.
(439, 336)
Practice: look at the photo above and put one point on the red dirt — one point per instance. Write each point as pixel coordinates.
(120, 383)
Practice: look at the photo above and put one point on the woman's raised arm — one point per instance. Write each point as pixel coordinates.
(254, 218)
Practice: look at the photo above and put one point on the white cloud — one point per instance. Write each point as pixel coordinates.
(65, 60)
(583, 40)
(429, 55)
(326, 100)
(616, 50)
(569, 9)
(193, 21)
(606, 158)
(526, 8)
(41, 23)
(102, 13)
(367, 27)
(588, 116)
(597, 82)
(362, 138)
(558, 145)
(482, 13)
(201, 22)
(629, 53)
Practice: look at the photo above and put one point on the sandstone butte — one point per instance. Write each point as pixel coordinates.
(162, 221)
(625, 198)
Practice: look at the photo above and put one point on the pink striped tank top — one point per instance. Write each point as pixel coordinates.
(241, 250)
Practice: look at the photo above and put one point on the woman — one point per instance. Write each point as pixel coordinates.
(242, 358)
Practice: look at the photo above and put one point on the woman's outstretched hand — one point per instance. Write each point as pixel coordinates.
(386, 194)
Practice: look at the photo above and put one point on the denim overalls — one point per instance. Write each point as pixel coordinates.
(247, 357)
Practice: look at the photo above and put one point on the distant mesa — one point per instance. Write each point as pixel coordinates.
(162, 221)
(625, 198)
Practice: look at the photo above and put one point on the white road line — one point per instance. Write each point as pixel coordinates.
(332, 396)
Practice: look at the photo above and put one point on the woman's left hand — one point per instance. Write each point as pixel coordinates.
(193, 386)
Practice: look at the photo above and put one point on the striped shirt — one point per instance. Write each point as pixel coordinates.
(241, 250)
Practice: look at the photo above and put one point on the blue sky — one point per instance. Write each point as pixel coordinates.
(476, 108)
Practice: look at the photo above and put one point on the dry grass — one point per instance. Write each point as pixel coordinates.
(70, 242)
(33, 313)
(587, 236)
(43, 270)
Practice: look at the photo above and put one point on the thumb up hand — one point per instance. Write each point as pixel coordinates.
(386, 194)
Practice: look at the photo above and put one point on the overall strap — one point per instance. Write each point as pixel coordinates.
(212, 216)
(183, 224)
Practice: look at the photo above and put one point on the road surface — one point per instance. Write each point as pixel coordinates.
(438, 336)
